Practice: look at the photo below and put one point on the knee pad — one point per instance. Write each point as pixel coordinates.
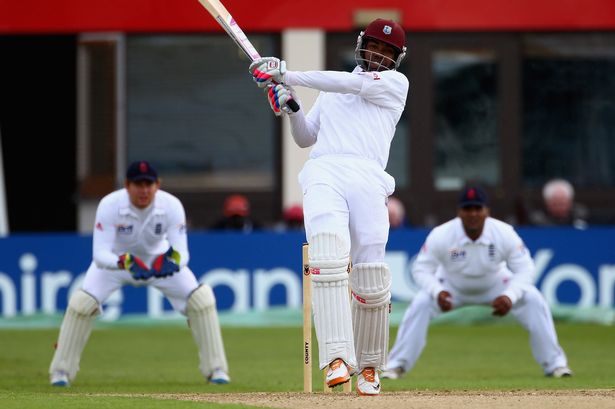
(201, 299)
(371, 285)
(329, 255)
(83, 304)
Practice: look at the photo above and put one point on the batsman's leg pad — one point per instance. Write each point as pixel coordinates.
(329, 258)
(205, 327)
(74, 333)
(371, 296)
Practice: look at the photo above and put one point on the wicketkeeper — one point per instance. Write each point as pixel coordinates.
(140, 239)
(345, 190)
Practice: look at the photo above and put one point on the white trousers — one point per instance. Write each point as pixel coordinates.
(347, 196)
(100, 283)
(531, 311)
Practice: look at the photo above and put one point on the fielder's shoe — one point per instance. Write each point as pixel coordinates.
(219, 377)
(368, 383)
(561, 372)
(60, 378)
(393, 373)
(337, 374)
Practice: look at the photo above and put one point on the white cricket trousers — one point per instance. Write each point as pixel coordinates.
(347, 196)
(531, 311)
(100, 283)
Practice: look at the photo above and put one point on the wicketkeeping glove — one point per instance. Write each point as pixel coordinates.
(267, 70)
(135, 266)
(166, 264)
(278, 96)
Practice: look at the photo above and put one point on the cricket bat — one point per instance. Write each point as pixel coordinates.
(228, 23)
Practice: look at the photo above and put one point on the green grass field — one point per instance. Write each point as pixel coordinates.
(154, 360)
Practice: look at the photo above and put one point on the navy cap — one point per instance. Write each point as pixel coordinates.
(141, 170)
(473, 196)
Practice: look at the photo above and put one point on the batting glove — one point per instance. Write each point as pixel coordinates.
(267, 70)
(166, 264)
(135, 266)
(278, 97)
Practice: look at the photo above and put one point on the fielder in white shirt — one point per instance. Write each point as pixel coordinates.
(345, 190)
(140, 239)
(476, 260)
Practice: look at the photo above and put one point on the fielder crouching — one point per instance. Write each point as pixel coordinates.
(475, 259)
(140, 239)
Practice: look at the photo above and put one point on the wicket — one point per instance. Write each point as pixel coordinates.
(307, 329)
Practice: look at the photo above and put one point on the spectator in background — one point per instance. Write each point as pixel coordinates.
(559, 207)
(397, 212)
(293, 217)
(236, 215)
(475, 259)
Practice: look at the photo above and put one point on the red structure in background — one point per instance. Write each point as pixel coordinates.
(74, 16)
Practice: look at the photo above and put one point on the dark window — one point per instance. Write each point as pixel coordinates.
(569, 109)
(467, 147)
(192, 109)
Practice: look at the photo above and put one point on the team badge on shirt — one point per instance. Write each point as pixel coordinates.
(123, 229)
(158, 228)
(458, 254)
(491, 250)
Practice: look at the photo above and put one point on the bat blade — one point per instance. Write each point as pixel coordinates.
(228, 23)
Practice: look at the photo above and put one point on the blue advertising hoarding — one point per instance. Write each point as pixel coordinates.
(258, 271)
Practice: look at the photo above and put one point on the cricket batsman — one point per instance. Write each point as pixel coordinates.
(345, 191)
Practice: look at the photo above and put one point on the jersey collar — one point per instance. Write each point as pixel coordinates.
(486, 238)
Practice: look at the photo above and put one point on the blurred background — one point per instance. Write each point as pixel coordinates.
(508, 94)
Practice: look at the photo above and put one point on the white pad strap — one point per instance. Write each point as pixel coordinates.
(371, 290)
(329, 258)
(205, 327)
(74, 333)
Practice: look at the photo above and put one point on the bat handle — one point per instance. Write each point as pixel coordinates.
(292, 104)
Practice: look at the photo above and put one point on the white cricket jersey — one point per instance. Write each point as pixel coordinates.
(474, 267)
(355, 113)
(122, 228)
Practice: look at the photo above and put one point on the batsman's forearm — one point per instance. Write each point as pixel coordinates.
(327, 81)
(304, 133)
